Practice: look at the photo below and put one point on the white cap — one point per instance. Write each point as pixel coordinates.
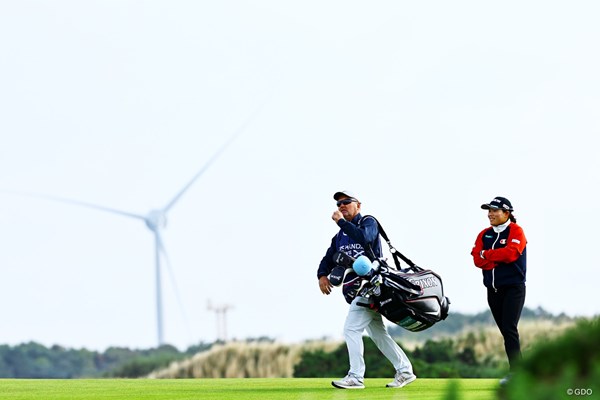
(346, 193)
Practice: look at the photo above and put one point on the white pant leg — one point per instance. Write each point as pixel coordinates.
(357, 320)
(388, 346)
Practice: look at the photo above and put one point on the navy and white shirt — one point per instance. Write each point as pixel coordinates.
(352, 239)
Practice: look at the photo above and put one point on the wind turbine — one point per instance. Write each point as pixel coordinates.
(155, 219)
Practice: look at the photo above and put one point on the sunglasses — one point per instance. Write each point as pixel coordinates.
(345, 202)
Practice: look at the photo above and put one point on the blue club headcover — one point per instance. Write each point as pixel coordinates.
(362, 265)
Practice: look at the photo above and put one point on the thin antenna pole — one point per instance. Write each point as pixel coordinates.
(221, 314)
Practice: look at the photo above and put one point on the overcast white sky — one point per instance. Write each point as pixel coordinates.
(426, 109)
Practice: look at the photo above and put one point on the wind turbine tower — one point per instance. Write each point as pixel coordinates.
(156, 221)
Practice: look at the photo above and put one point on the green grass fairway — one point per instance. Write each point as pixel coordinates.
(236, 389)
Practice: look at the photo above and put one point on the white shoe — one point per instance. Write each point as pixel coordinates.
(349, 382)
(401, 379)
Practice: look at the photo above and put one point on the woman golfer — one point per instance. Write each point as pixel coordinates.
(500, 251)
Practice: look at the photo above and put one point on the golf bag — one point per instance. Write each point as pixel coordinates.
(412, 298)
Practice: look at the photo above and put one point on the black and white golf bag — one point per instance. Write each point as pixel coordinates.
(412, 298)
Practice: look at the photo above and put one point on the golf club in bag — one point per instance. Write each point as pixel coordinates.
(412, 298)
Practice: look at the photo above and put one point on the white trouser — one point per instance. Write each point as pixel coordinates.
(360, 318)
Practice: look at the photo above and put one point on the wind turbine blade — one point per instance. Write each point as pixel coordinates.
(241, 129)
(76, 202)
(163, 250)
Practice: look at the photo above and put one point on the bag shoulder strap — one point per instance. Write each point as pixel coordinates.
(369, 249)
(395, 253)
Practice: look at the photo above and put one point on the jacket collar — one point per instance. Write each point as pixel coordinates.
(501, 228)
(356, 219)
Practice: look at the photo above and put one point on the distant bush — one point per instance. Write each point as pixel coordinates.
(146, 362)
(249, 359)
(321, 364)
(434, 359)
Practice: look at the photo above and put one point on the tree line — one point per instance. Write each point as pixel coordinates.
(33, 360)
(444, 357)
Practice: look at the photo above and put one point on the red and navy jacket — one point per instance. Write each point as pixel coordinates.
(502, 256)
